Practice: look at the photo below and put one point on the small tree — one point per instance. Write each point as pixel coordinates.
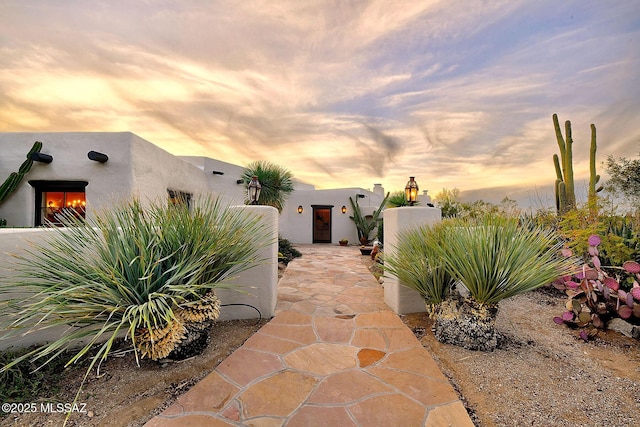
(625, 178)
(449, 202)
(276, 181)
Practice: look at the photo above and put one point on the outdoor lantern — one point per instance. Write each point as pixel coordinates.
(300, 209)
(344, 209)
(253, 190)
(411, 191)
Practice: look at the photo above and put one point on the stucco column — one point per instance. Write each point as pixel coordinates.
(401, 299)
(258, 285)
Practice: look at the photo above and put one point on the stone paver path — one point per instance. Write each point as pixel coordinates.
(334, 355)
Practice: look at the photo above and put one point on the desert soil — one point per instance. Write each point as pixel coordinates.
(541, 375)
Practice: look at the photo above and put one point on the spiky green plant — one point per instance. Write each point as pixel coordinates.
(418, 266)
(134, 271)
(496, 257)
(398, 199)
(276, 181)
(364, 224)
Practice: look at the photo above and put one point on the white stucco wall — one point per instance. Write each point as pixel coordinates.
(298, 228)
(224, 185)
(400, 298)
(70, 163)
(135, 167)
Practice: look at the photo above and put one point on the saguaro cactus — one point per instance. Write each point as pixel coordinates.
(565, 187)
(594, 178)
(14, 179)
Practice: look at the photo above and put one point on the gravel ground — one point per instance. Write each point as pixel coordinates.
(542, 374)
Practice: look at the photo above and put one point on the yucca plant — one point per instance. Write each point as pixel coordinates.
(276, 182)
(418, 266)
(492, 258)
(496, 258)
(147, 273)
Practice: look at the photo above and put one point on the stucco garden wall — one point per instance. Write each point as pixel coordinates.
(259, 283)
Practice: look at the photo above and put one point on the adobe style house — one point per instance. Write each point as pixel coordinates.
(122, 164)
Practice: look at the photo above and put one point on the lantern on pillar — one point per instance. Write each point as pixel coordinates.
(411, 191)
(253, 190)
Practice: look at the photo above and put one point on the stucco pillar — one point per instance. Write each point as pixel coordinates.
(257, 286)
(401, 299)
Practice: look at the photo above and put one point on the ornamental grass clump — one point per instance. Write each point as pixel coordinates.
(145, 273)
(416, 264)
(489, 258)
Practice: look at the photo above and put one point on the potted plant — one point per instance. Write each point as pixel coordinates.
(343, 242)
(365, 224)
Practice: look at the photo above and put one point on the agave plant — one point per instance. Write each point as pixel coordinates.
(145, 273)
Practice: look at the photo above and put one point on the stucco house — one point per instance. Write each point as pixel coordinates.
(122, 164)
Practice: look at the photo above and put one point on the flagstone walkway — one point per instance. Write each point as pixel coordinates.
(333, 355)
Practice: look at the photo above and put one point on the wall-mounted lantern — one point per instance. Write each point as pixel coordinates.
(239, 181)
(41, 157)
(300, 209)
(411, 191)
(97, 157)
(218, 173)
(253, 190)
(343, 209)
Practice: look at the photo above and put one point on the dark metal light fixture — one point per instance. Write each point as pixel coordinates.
(411, 191)
(300, 209)
(253, 190)
(41, 157)
(344, 209)
(97, 157)
(360, 196)
(239, 181)
(217, 172)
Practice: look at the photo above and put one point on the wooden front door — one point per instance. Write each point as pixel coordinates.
(321, 224)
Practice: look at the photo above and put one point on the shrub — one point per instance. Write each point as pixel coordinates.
(286, 251)
(147, 273)
(418, 266)
(595, 296)
(496, 257)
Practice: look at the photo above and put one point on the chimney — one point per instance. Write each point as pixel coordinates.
(377, 189)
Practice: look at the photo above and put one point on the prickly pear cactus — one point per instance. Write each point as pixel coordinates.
(14, 179)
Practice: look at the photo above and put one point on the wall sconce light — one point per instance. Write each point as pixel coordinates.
(217, 172)
(41, 157)
(97, 157)
(344, 209)
(253, 190)
(360, 196)
(239, 181)
(300, 209)
(411, 191)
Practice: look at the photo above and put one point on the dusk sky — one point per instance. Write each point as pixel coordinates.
(459, 94)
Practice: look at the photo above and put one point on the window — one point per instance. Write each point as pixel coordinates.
(179, 197)
(53, 198)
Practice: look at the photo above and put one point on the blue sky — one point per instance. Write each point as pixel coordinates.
(343, 93)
